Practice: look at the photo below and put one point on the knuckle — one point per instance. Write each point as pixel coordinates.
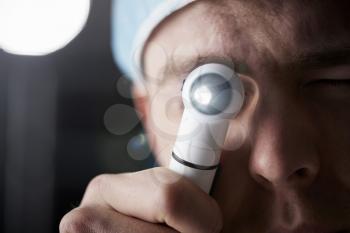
(170, 197)
(77, 221)
(96, 184)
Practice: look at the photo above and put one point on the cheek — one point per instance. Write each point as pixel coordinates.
(237, 193)
(237, 135)
(341, 152)
(334, 142)
(165, 115)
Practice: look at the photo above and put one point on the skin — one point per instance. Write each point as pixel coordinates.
(286, 160)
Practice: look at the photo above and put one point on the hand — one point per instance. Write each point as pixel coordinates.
(150, 201)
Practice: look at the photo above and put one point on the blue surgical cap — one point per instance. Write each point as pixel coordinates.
(133, 21)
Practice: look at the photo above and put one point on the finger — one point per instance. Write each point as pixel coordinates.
(158, 196)
(100, 220)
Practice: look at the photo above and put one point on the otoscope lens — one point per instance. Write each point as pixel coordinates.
(211, 94)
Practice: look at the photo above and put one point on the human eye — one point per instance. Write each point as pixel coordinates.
(330, 85)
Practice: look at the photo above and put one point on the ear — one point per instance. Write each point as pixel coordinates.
(142, 104)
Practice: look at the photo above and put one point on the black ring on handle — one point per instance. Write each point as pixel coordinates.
(192, 165)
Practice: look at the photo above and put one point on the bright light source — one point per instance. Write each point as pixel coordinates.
(203, 95)
(40, 27)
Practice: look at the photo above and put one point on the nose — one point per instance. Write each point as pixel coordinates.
(283, 148)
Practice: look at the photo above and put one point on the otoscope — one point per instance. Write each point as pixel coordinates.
(213, 95)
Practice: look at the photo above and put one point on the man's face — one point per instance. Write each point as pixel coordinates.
(286, 159)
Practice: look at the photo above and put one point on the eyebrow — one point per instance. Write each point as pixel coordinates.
(183, 66)
(324, 58)
(317, 59)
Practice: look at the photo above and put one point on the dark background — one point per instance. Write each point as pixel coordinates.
(52, 134)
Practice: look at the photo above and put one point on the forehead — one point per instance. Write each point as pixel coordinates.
(259, 32)
(283, 27)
